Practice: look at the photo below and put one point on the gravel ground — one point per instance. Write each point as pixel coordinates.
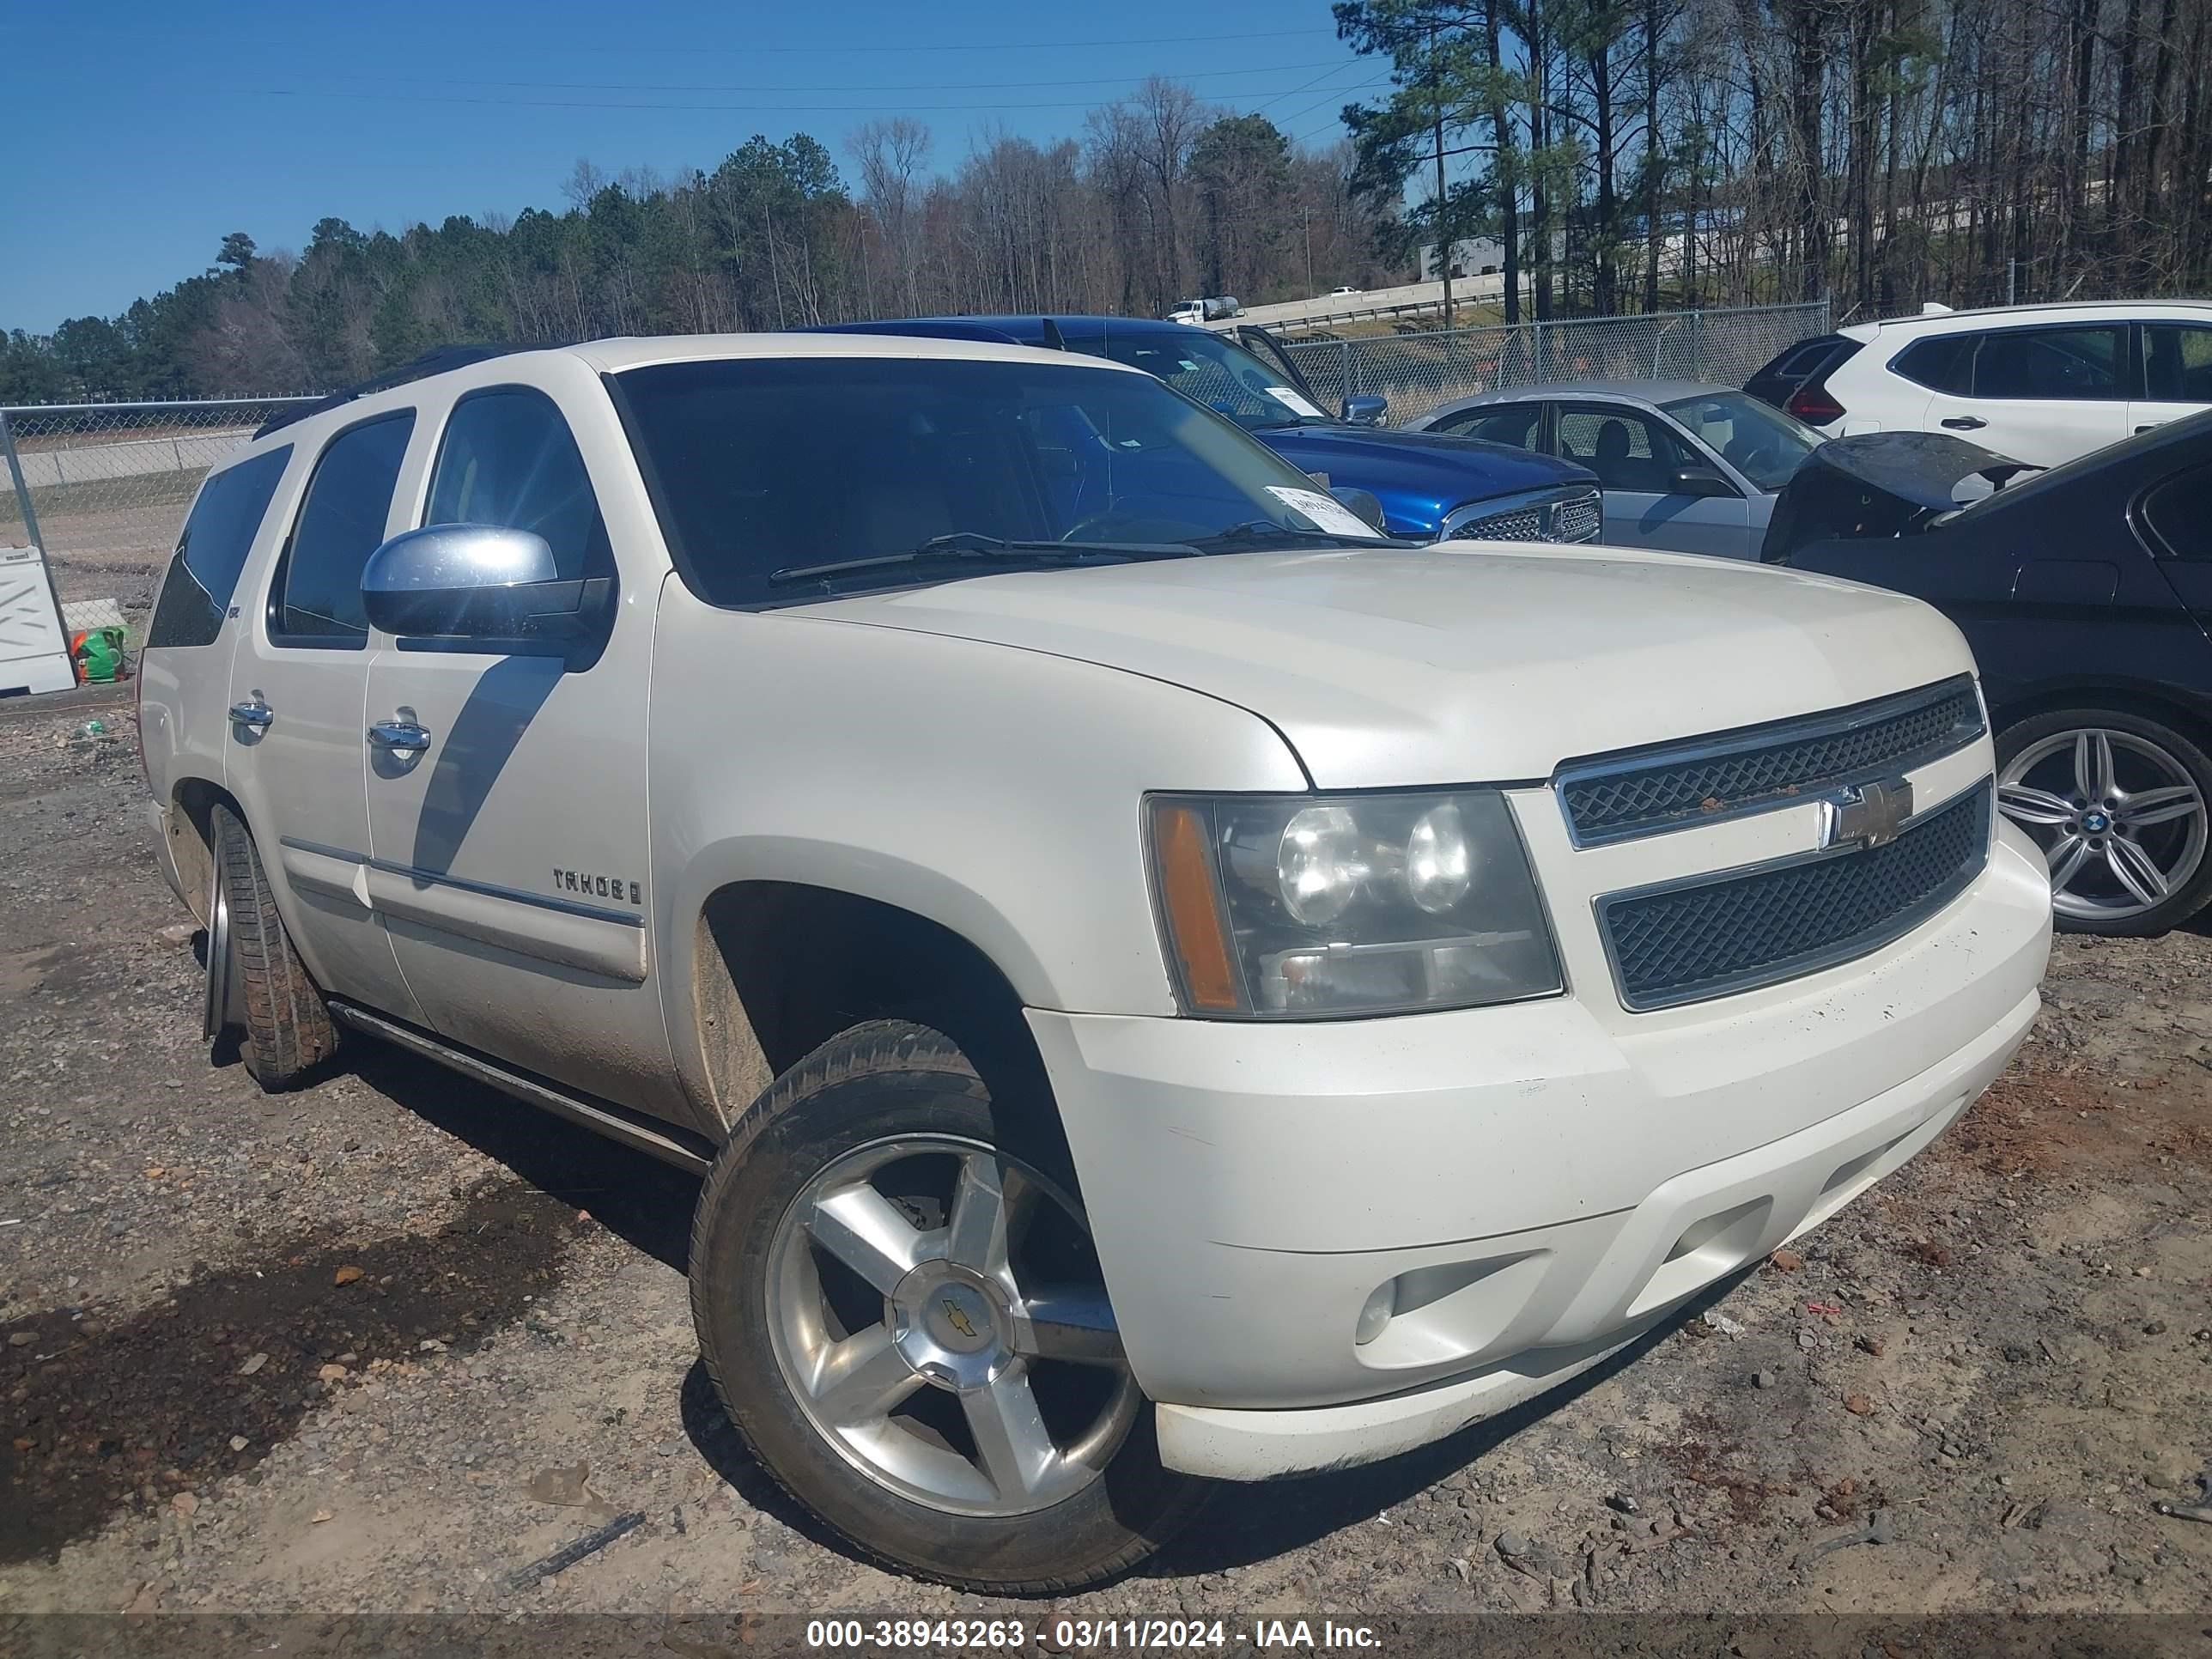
(376, 1345)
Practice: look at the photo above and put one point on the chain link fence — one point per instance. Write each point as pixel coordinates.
(108, 484)
(1417, 372)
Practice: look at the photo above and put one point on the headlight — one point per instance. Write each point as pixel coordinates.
(1298, 907)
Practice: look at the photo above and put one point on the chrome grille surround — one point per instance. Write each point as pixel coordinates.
(1682, 785)
(1575, 513)
(1727, 931)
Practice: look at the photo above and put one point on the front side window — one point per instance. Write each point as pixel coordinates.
(762, 468)
(212, 551)
(1626, 450)
(2051, 364)
(317, 601)
(508, 458)
(1755, 438)
(2178, 362)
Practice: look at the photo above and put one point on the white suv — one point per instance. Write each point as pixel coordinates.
(1159, 983)
(2042, 384)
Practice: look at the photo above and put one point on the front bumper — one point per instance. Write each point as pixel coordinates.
(1540, 1181)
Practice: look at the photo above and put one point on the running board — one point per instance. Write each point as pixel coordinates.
(669, 1145)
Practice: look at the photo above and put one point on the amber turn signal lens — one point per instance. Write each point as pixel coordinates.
(1194, 910)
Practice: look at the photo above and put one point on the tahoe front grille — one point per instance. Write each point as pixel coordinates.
(1673, 785)
(1712, 935)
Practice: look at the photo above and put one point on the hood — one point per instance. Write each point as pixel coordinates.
(1421, 475)
(1422, 667)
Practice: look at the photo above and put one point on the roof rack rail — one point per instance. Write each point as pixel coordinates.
(436, 361)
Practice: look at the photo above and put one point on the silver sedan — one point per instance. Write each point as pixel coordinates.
(1686, 466)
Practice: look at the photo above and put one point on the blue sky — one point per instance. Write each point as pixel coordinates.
(140, 133)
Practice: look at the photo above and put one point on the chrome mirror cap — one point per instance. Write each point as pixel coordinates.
(448, 558)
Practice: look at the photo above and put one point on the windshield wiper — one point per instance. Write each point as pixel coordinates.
(1267, 530)
(963, 546)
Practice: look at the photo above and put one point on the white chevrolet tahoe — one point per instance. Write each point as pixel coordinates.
(1161, 986)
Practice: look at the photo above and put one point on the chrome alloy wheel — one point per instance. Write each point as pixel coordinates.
(936, 1309)
(2121, 823)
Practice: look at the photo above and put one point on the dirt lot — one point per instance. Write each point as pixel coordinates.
(378, 1345)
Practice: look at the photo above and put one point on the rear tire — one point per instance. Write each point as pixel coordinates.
(256, 973)
(2118, 803)
(869, 1131)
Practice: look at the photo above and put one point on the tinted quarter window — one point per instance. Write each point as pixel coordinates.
(1517, 424)
(2049, 364)
(217, 536)
(340, 524)
(1945, 363)
(2179, 515)
(508, 458)
(2178, 362)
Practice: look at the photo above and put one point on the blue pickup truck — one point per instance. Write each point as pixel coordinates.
(1430, 486)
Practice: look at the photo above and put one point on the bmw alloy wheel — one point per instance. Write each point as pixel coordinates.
(2121, 823)
(935, 1307)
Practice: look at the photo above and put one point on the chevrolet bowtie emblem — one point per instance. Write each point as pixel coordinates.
(1869, 814)
(956, 1316)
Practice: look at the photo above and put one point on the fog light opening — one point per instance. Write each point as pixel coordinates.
(1381, 1305)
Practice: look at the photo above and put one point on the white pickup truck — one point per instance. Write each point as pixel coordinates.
(1161, 985)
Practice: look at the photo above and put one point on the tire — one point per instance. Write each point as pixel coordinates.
(287, 1028)
(901, 1103)
(2117, 872)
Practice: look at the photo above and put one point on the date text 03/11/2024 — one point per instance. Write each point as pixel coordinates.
(1084, 1635)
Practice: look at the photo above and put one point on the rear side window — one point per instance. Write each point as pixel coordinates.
(212, 552)
(508, 458)
(318, 599)
(2179, 515)
(1516, 425)
(2049, 364)
(1945, 363)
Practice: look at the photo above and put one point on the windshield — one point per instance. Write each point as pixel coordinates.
(1210, 370)
(759, 465)
(1755, 438)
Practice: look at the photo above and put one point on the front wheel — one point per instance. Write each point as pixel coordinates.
(2116, 802)
(897, 1298)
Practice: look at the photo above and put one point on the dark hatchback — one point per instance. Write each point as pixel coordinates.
(1430, 486)
(2085, 592)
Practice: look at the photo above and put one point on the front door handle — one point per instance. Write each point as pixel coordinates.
(2149, 426)
(1965, 422)
(254, 713)
(396, 733)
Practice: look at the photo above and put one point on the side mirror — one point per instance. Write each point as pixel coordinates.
(1365, 503)
(1364, 409)
(1698, 481)
(477, 581)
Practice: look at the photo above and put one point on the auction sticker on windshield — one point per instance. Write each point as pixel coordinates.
(1297, 402)
(1326, 510)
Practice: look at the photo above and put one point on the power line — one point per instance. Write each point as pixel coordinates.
(757, 109)
(1334, 64)
(842, 48)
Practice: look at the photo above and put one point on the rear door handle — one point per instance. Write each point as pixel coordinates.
(1965, 422)
(253, 713)
(397, 733)
(2149, 426)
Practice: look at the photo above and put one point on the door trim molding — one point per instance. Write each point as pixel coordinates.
(490, 890)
